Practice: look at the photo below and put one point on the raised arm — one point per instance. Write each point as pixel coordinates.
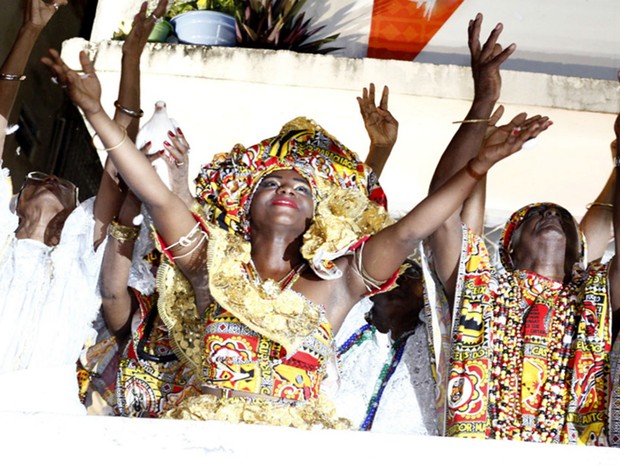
(597, 223)
(485, 64)
(614, 272)
(110, 196)
(36, 16)
(118, 303)
(381, 126)
(116, 299)
(472, 213)
(385, 251)
(171, 217)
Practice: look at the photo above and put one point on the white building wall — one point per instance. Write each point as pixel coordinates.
(568, 37)
(222, 96)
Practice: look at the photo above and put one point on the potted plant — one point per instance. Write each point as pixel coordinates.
(270, 24)
(279, 24)
(204, 22)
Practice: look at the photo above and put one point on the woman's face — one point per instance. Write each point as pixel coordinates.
(398, 310)
(48, 192)
(545, 223)
(282, 198)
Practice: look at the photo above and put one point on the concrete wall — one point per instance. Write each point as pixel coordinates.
(221, 96)
(102, 440)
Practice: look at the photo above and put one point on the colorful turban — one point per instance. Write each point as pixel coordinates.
(515, 221)
(225, 188)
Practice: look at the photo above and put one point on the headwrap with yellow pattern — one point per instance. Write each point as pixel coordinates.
(349, 202)
(515, 221)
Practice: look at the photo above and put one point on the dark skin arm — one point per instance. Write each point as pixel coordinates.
(117, 302)
(614, 272)
(381, 126)
(110, 195)
(596, 224)
(472, 213)
(36, 16)
(485, 64)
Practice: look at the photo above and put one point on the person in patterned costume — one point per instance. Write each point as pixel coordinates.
(148, 378)
(290, 238)
(530, 337)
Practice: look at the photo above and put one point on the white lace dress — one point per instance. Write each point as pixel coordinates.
(408, 401)
(48, 301)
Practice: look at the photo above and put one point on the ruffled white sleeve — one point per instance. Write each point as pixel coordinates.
(77, 242)
(8, 219)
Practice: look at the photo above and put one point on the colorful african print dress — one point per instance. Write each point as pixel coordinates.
(529, 356)
(265, 340)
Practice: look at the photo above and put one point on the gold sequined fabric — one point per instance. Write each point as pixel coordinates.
(345, 216)
(315, 413)
(177, 308)
(287, 318)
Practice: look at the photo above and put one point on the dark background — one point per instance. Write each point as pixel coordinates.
(52, 136)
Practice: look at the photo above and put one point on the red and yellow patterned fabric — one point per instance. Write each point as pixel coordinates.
(225, 186)
(240, 359)
(529, 357)
(151, 378)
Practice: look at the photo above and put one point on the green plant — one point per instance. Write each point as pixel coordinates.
(230, 7)
(271, 24)
(278, 24)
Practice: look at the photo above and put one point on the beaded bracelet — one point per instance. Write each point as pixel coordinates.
(123, 233)
(599, 204)
(109, 149)
(479, 120)
(128, 112)
(12, 77)
(477, 176)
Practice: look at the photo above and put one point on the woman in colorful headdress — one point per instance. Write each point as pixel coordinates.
(291, 241)
(530, 337)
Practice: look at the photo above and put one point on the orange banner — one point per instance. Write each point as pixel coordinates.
(400, 29)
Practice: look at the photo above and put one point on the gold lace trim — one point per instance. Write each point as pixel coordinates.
(287, 318)
(176, 304)
(303, 415)
(340, 220)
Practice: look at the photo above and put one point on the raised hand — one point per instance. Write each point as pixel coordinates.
(177, 156)
(83, 89)
(381, 126)
(37, 13)
(617, 123)
(142, 27)
(509, 138)
(486, 60)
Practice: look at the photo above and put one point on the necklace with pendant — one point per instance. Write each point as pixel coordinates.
(270, 288)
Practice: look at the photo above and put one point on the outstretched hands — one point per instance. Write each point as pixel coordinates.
(142, 27)
(505, 140)
(486, 60)
(37, 13)
(83, 89)
(177, 157)
(617, 123)
(381, 126)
